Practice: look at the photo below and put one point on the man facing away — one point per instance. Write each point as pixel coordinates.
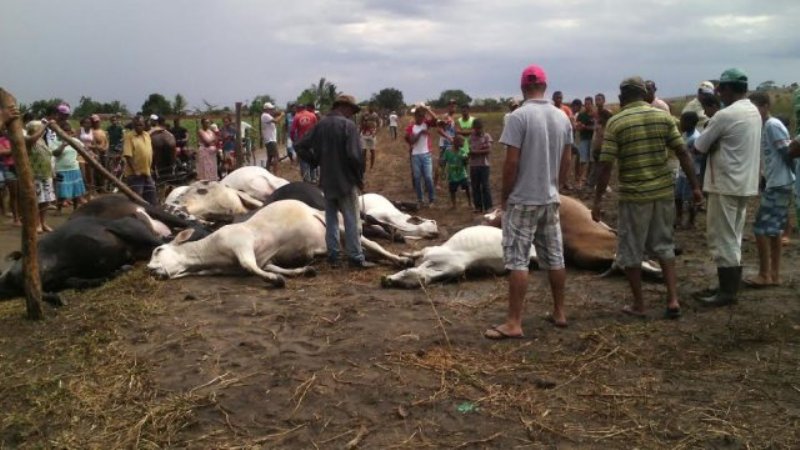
(334, 145)
(304, 120)
(538, 136)
(731, 177)
(638, 137)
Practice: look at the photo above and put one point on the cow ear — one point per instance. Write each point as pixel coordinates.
(183, 236)
(249, 201)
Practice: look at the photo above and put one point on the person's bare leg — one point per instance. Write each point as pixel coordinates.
(762, 244)
(634, 275)
(775, 244)
(671, 282)
(517, 287)
(558, 280)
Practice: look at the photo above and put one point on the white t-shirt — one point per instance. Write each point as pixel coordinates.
(734, 168)
(541, 131)
(392, 120)
(269, 131)
(421, 146)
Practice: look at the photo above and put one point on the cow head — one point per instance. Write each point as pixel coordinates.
(416, 226)
(169, 260)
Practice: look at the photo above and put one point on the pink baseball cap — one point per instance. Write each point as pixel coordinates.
(63, 109)
(533, 74)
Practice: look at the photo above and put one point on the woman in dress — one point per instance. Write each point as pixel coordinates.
(69, 181)
(207, 154)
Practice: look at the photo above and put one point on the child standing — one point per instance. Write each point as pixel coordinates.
(683, 189)
(480, 145)
(455, 163)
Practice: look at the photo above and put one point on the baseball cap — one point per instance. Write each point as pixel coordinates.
(268, 105)
(153, 117)
(94, 118)
(63, 109)
(734, 75)
(533, 74)
(634, 82)
(706, 87)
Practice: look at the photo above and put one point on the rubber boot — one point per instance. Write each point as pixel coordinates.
(729, 281)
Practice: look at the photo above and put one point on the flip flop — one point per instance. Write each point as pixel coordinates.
(629, 311)
(672, 313)
(554, 323)
(500, 334)
(751, 282)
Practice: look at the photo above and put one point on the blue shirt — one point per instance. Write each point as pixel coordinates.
(697, 157)
(774, 147)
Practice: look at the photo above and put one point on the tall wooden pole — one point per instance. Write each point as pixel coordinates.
(238, 148)
(29, 209)
(90, 159)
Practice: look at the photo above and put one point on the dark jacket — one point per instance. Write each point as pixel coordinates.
(334, 145)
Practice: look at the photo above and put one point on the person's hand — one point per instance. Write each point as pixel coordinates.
(597, 212)
(698, 196)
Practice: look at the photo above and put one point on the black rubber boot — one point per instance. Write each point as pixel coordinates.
(729, 281)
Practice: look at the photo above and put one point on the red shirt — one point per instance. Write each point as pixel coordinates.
(302, 122)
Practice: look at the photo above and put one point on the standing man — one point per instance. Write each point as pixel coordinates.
(638, 137)
(585, 125)
(706, 88)
(537, 138)
(287, 126)
(304, 120)
(334, 145)
(418, 136)
(369, 131)
(269, 135)
(731, 177)
(558, 102)
(393, 125)
(138, 153)
(447, 132)
(773, 210)
(653, 100)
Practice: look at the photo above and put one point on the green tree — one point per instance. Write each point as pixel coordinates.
(388, 99)
(458, 95)
(322, 94)
(87, 106)
(40, 108)
(257, 105)
(489, 104)
(179, 104)
(157, 104)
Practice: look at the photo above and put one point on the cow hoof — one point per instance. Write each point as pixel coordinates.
(54, 299)
(279, 282)
(310, 272)
(407, 262)
(386, 282)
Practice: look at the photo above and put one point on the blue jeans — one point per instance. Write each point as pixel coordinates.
(348, 206)
(481, 190)
(144, 186)
(309, 175)
(422, 166)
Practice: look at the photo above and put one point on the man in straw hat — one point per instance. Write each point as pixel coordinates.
(334, 145)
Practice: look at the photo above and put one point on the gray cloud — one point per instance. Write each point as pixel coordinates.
(224, 51)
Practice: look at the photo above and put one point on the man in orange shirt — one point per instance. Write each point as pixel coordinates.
(558, 101)
(304, 120)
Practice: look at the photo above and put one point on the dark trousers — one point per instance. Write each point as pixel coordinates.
(144, 186)
(481, 192)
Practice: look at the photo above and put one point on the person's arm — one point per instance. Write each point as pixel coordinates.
(127, 151)
(484, 148)
(31, 139)
(608, 155)
(203, 138)
(58, 151)
(687, 164)
(794, 148)
(7, 115)
(709, 136)
(355, 154)
(510, 171)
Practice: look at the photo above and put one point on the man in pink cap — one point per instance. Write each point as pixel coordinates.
(537, 136)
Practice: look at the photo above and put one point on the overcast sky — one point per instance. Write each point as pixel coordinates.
(233, 50)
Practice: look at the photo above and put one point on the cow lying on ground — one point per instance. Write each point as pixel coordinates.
(587, 245)
(287, 233)
(83, 252)
(211, 201)
(377, 209)
(256, 181)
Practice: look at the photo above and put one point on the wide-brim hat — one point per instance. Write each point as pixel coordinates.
(348, 100)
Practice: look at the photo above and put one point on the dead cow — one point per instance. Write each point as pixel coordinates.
(287, 233)
(256, 181)
(377, 209)
(211, 201)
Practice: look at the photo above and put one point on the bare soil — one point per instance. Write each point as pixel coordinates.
(335, 361)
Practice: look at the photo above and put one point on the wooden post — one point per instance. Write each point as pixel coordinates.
(29, 210)
(78, 146)
(238, 148)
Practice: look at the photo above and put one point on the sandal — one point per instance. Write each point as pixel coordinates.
(496, 334)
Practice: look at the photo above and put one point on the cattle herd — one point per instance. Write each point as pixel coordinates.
(255, 222)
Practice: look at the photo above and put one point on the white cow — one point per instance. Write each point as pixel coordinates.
(477, 248)
(212, 201)
(377, 208)
(254, 180)
(287, 233)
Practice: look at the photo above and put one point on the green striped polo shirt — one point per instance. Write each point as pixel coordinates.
(638, 137)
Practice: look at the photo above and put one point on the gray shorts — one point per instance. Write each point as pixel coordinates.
(368, 142)
(539, 225)
(645, 227)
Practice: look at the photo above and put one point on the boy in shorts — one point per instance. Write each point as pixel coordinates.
(454, 160)
(683, 189)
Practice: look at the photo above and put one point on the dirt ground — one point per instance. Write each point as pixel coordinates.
(335, 361)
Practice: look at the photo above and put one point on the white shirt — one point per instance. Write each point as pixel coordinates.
(269, 131)
(733, 169)
(393, 120)
(421, 146)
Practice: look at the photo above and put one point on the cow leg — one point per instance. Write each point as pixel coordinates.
(375, 250)
(307, 271)
(247, 259)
